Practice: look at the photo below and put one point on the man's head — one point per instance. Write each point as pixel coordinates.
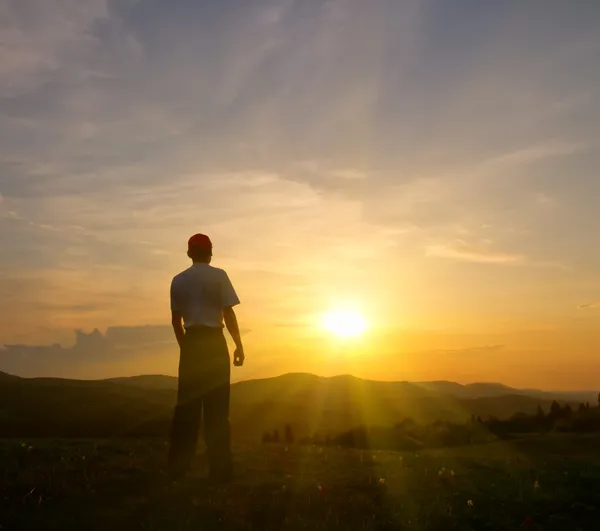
(200, 248)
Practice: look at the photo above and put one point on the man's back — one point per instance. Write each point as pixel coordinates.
(202, 299)
(200, 293)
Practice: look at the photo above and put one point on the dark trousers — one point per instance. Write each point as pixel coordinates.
(204, 378)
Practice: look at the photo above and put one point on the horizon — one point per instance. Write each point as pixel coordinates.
(119, 350)
(404, 190)
(325, 377)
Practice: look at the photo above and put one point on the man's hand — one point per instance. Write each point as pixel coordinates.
(232, 325)
(238, 357)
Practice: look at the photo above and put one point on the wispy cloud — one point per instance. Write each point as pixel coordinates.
(465, 252)
(484, 252)
(589, 306)
(534, 153)
(37, 39)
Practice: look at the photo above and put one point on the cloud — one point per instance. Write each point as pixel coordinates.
(534, 153)
(472, 350)
(589, 306)
(37, 38)
(462, 251)
(129, 349)
(484, 253)
(544, 200)
(6, 209)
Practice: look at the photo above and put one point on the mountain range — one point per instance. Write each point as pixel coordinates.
(142, 405)
(472, 390)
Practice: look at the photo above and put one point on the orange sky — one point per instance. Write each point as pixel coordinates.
(433, 166)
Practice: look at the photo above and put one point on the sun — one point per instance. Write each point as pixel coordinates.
(344, 323)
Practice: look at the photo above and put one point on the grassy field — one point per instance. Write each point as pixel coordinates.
(544, 483)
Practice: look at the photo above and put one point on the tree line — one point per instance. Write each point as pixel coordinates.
(408, 435)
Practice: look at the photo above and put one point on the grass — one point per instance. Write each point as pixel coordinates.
(543, 483)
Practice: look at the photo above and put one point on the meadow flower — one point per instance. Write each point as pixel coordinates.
(470, 503)
(382, 481)
(536, 484)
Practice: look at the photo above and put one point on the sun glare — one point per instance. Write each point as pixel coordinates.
(344, 323)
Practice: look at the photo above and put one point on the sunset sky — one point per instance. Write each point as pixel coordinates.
(434, 164)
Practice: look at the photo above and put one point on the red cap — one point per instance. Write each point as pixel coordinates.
(200, 241)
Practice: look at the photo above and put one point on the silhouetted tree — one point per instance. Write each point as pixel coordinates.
(598, 399)
(275, 436)
(567, 412)
(267, 437)
(540, 412)
(289, 434)
(555, 410)
(581, 409)
(407, 423)
(587, 405)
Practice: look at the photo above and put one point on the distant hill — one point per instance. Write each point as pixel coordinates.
(481, 390)
(473, 390)
(143, 405)
(147, 381)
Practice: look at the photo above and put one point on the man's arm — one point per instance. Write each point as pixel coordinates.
(176, 317)
(232, 326)
(229, 299)
(177, 322)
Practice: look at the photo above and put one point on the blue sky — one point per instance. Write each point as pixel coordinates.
(435, 161)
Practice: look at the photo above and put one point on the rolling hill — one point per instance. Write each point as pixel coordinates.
(472, 390)
(143, 405)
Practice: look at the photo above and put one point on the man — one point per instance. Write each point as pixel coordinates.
(202, 298)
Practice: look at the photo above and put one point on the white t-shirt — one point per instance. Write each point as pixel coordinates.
(200, 293)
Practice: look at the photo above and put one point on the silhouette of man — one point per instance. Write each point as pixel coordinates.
(202, 298)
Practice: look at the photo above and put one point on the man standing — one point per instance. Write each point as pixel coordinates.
(202, 298)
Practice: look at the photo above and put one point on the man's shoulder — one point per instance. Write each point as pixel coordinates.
(207, 270)
(179, 276)
(212, 271)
